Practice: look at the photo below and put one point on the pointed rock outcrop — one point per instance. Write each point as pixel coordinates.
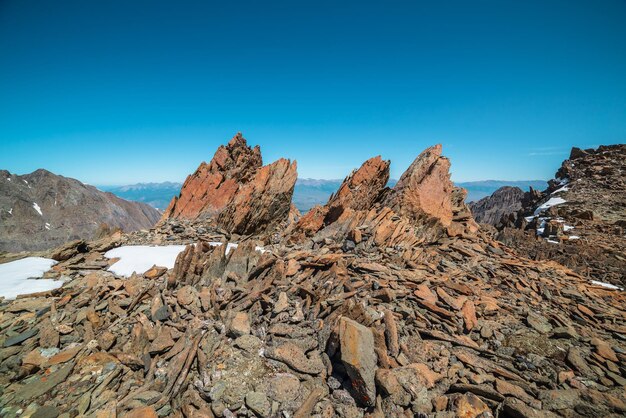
(423, 206)
(361, 189)
(236, 192)
(212, 186)
(425, 189)
(358, 192)
(262, 203)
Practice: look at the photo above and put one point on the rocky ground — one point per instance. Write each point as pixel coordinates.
(381, 303)
(42, 210)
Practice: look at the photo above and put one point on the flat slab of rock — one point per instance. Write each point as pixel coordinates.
(359, 358)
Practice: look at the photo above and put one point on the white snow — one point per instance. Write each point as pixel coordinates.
(24, 181)
(562, 189)
(529, 218)
(140, 258)
(567, 228)
(553, 201)
(47, 226)
(37, 208)
(607, 285)
(552, 241)
(573, 237)
(15, 277)
(9, 178)
(10, 211)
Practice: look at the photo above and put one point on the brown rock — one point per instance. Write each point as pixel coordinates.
(155, 272)
(360, 189)
(48, 335)
(238, 324)
(425, 189)
(294, 357)
(469, 405)
(359, 358)
(212, 187)
(143, 412)
(604, 350)
(469, 315)
(187, 295)
(64, 356)
(162, 342)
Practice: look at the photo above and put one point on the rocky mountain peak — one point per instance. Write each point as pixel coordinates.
(235, 191)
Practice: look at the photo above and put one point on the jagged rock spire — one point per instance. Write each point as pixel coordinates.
(235, 191)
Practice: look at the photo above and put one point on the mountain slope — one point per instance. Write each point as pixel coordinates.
(41, 210)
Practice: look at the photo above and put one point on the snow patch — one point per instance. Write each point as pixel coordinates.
(559, 190)
(573, 237)
(553, 201)
(9, 178)
(140, 258)
(15, 277)
(10, 211)
(37, 208)
(552, 241)
(47, 226)
(606, 285)
(567, 228)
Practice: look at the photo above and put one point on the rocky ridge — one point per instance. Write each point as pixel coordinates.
(42, 210)
(579, 220)
(374, 306)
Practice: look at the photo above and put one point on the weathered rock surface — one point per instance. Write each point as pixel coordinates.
(236, 192)
(425, 189)
(42, 210)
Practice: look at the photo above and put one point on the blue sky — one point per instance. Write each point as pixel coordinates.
(116, 92)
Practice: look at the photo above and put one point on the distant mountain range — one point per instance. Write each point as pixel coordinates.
(157, 195)
(307, 193)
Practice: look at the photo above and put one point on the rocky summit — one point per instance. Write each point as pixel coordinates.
(236, 192)
(380, 303)
(42, 210)
(579, 220)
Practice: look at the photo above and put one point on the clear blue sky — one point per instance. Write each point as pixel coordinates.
(116, 92)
